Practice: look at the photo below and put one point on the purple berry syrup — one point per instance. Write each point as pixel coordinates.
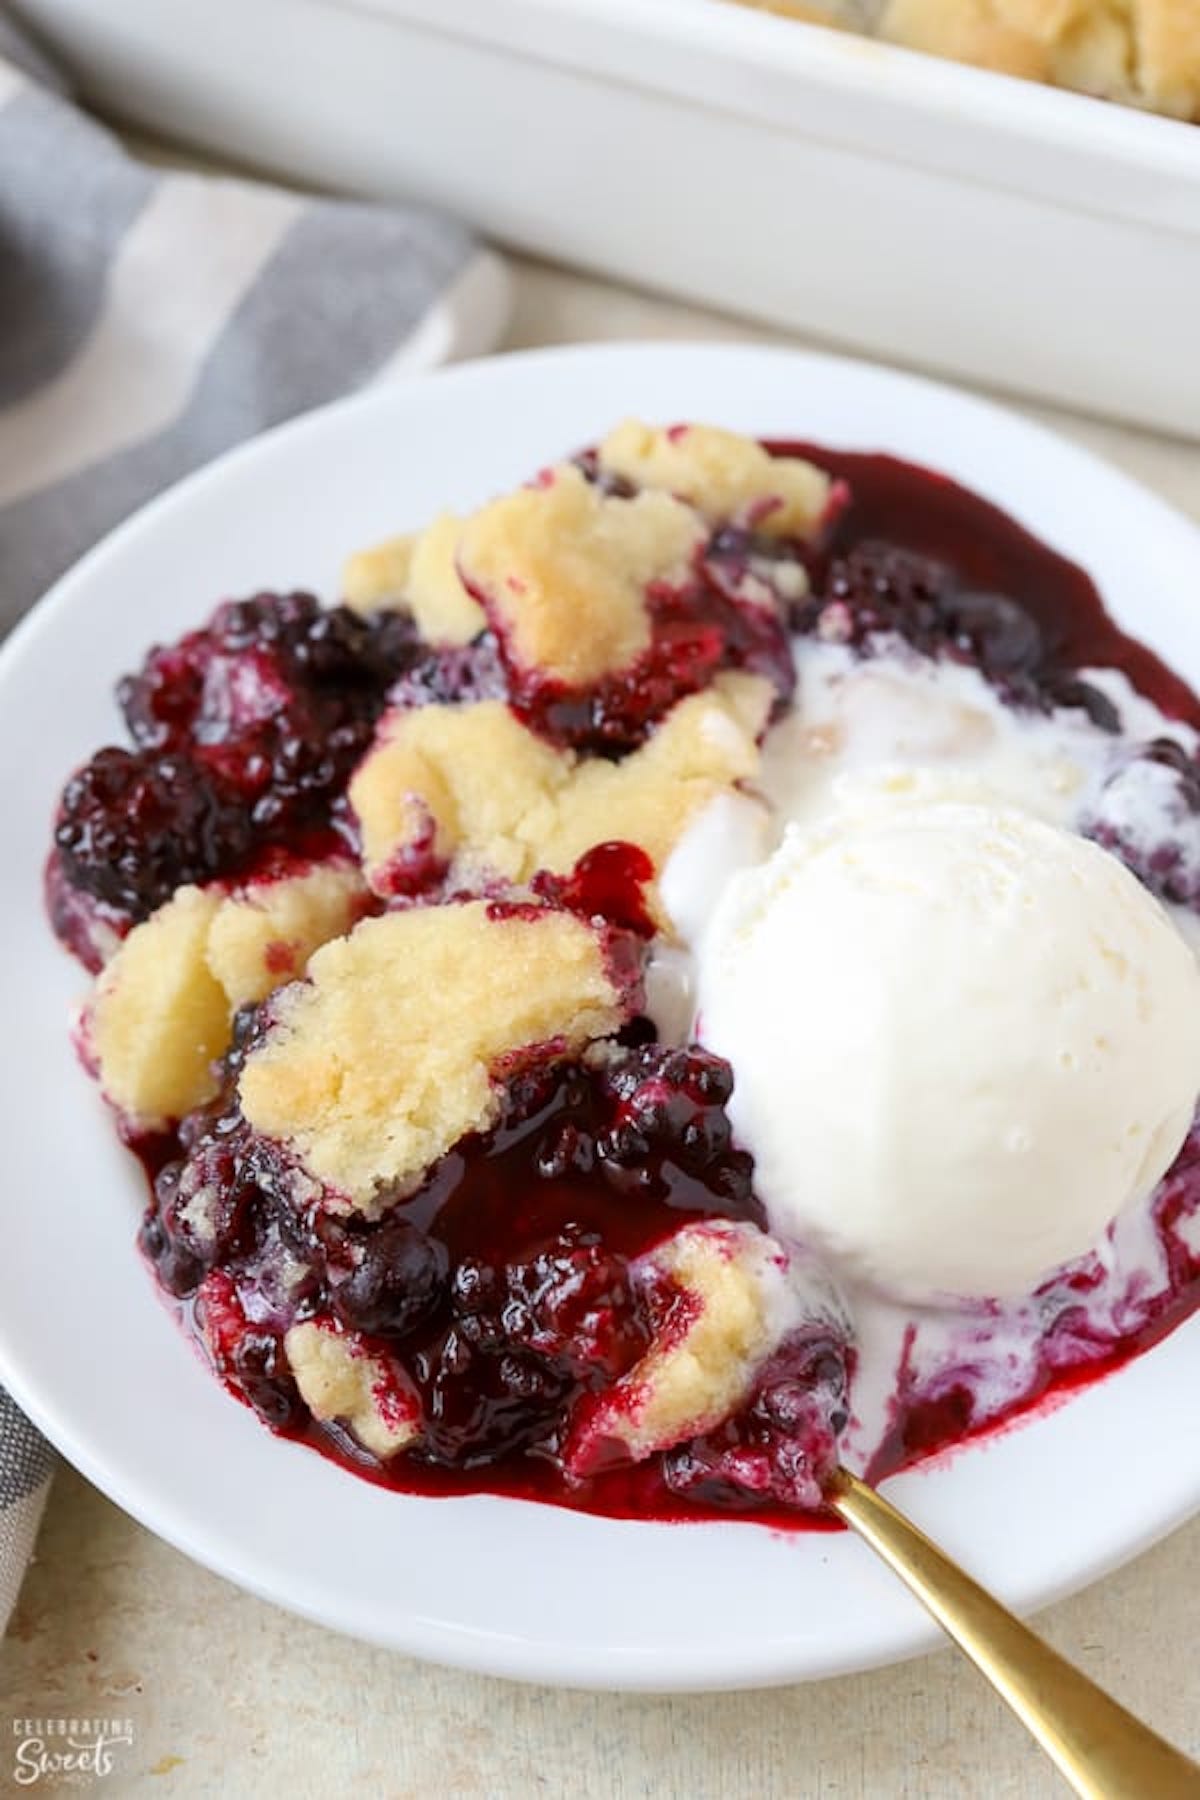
(506, 1284)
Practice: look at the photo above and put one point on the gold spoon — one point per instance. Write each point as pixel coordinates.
(1104, 1752)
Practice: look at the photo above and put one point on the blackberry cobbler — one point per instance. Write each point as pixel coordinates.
(418, 923)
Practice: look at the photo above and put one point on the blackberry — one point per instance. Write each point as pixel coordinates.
(396, 1283)
(1065, 690)
(134, 825)
(670, 1107)
(782, 1447)
(247, 732)
(995, 632)
(258, 657)
(259, 1366)
(479, 1406)
(248, 1357)
(879, 588)
(572, 1303)
(175, 1267)
(456, 675)
(1148, 814)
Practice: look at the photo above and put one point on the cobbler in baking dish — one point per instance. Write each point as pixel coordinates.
(1142, 53)
(486, 966)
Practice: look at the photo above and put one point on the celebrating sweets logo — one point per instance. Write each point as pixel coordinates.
(68, 1751)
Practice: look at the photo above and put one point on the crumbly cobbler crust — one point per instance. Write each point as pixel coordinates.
(429, 1209)
(562, 569)
(379, 1062)
(1140, 52)
(469, 790)
(462, 974)
(726, 477)
(476, 791)
(158, 1017)
(419, 572)
(703, 1363)
(264, 932)
(162, 1008)
(341, 1380)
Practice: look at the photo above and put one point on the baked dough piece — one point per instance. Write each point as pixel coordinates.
(728, 478)
(162, 1008)
(1143, 52)
(341, 1378)
(1167, 41)
(732, 1308)
(383, 1058)
(470, 791)
(562, 569)
(417, 572)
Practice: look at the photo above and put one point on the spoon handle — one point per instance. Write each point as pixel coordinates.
(1103, 1751)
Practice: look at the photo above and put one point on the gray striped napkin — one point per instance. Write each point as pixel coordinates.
(148, 320)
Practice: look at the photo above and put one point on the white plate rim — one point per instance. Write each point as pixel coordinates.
(896, 1629)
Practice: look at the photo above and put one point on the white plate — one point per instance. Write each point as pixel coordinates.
(85, 1345)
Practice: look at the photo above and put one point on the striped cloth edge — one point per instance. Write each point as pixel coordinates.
(150, 319)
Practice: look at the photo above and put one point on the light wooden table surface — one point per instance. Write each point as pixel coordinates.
(230, 1697)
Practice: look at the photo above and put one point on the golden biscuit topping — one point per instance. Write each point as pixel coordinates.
(384, 1058)
(730, 1311)
(1143, 52)
(162, 1008)
(444, 780)
(1166, 36)
(264, 932)
(158, 1017)
(476, 791)
(339, 1378)
(418, 572)
(726, 477)
(375, 579)
(563, 568)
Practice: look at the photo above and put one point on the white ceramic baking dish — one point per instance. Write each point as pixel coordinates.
(939, 215)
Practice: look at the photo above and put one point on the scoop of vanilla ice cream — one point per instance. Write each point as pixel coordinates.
(962, 1041)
